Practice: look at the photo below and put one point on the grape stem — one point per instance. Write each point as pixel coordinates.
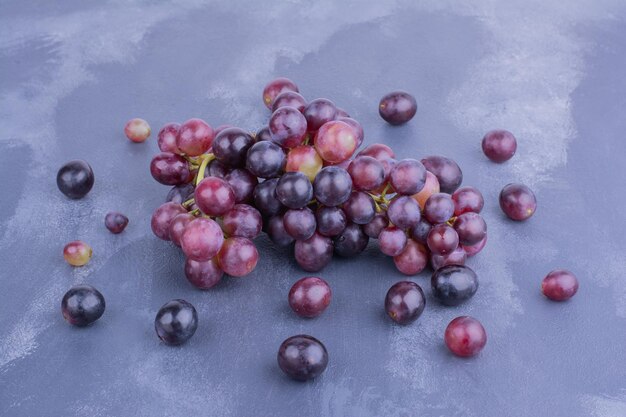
(451, 221)
(189, 202)
(206, 158)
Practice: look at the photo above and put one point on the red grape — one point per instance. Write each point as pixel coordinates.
(77, 253)
(474, 249)
(397, 107)
(195, 137)
(238, 256)
(442, 239)
(559, 285)
(137, 130)
(300, 224)
(319, 112)
(304, 159)
(275, 87)
(335, 141)
(447, 172)
(408, 177)
(413, 258)
(499, 145)
(167, 138)
(115, 222)
(378, 151)
(439, 208)
(518, 202)
(163, 216)
(287, 127)
(203, 275)
(202, 239)
(471, 228)
(467, 199)
(177, 227)
(309, 296)
(431, 186)
(242, 221)
(169, 169)
(214, 196)
(289, 99)
(392, 241)
(456, 257)
(314, 253)
(367, 173)
(465, 336)
(403, 212)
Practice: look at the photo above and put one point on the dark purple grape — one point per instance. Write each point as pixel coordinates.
(330, 221)
(367, 173)
(518, 201)
(294, 190)
(162, 217)
(332, 186)
(420, 231)
(167, 138)
(408, 176)
(265, 198)
(376, 225)
(404, 212)
(454, 284)
(309, 297)
(442, 239)
(300, 224)
(359, 208)
(276, 231)
(276, 87)
(397, 107)
(351, 241)
(214, 196)
(202, 239)
(178, 225)
(175, 322)
(180, 193)
(413, 258)
(266, 159)
(499, 145)
(203, 275)
(467, 199)
(75, 179)
(263, 134)
(82, 305)
(289, 99)
(242, 221)
(287, 127)
(169, 169)
(456, 257)
(392, 241)
(116, 222)
(405, 302)
(216, 168)
(318, 112)
(243, 184)
(302, 357)
(231, 146)
(314, 253)
(447, 172)
(471, 228)
(221, 128)
(358, 129)
(439, 208)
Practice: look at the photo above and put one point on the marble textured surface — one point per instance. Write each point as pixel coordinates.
(73, 72)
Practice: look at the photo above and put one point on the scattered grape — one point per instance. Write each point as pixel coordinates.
(559, 285)
(116, 222)
(405, 302)
(454, 284)
(302, 357)
(397, 107)
(82, 305)
(309, 296)
(175, 322)
(75, 179)
(499, 145)
(518, 202)
(137, 130)
(465, 336)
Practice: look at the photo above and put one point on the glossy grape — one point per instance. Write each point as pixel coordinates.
(378, 151)
(167, 138)
(467, 199)
(439, 208)
(332, 186)
(302, 357)
(499, 145)
(404, 212)
(318, 112)
(376, 225)
(265, 159)
(442, 239)
(195, 137)
(294, 190)
(367, 173)
(471, 228)
(175, 322)
(263, 134)
(180, 193)
(300, 224)
(518, 202)
(351, 241)
(82, 305)
(242, 221)
(447, 172)
(408, 176)
(116, 222)
(314, 253)
(265, 198)
(289, 99)
(420, 231)
(221, 128)
(331, 221)
(405, 302)
(238, 256)
(431, 186)
(243, 183)
(356, 126)
(559, 285)
(202, 239)
(456, 257)
(163, 216)
(335, 141)
(392, 241)
(275, 88)
(359, 208)
(216, 168)
(231, 146)
(304, 159)
(214, 196)
(309, 296)
(276, 231)
(454, 284)
(75, 179)
(169, 169)
(413, 258)
(287, 127)
(203, 275)
(137, 130)
(77, 253)
(178, 225)
(397, 107)
(465, 336)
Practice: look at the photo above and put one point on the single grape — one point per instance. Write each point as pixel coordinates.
(442, 239)
(238, 256)
(116, 222)
(289, 99)
(403, 212)
(304, 159)
(367, 173)
(447, 172)
(177, 227)
(220, 128)
(351, 241)
(202, 239)
(163, 216)
(300, 224)
(559, 285)
(231, 146)
(265, 197)
(467, 199)
(195, 137)
(203, 275)
(378, 151)
(392, 241)
(335, 141)
(499, 145)
(169, 169)
(465, 336)
(331, 221)
(408, 176)
(405, 302)
(175, 322)
(332, 186)
(265, 159)
(242, 221)
(456, 257)
(180, 193)
(302, 357)
(376, 225)
(276, 231)
(358, 129)
(243, 183)
(276, 87)
(216, 168)
(397, 107)
(214, 196)
(420, 231)
(471, 228)
(454, 284)
(263, 134)
(75, 179)
(167, 138)
(82, 305)
(287, 127)
(431, 186)
(318, 112)
(359, 208)
(474, 249)
(518, 202)
(413, 258)
(309, 297)
(137, 130)
(439, 208)
(314, 253)
(294, 190)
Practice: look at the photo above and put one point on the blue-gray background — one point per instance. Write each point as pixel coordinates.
(73, 72)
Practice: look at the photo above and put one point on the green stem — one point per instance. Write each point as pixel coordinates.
(189, 202)
(206, 158)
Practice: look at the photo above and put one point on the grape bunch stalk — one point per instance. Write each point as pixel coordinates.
(301, 180)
